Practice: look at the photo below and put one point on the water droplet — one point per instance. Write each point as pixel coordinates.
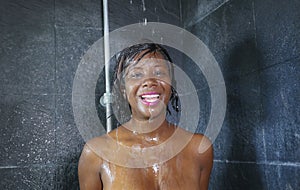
(161, 39)
(153, 32)
(144, 7)
(145, 21)
(155, 167)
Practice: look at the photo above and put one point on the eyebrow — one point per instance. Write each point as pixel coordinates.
(160, 66)
(133, 67)
(138, 67)
(129, 68)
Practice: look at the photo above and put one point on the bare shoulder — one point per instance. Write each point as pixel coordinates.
(100, 147)
(89, 166)
(199, 143)
(203, 150)
(204, 144)
(90, 149)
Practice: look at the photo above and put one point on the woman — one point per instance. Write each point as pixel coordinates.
(144, 82)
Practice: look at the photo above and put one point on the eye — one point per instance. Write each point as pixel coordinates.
(136, 75)
(160, 73)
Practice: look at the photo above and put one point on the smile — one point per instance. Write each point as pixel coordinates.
(150, 98)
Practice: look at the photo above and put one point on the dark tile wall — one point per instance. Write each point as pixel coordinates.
(42, 42)
(256, 44)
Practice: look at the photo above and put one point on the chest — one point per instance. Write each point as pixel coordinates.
(177, 173)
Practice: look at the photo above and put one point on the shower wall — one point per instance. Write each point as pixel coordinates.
(257, 45)
(42, 42)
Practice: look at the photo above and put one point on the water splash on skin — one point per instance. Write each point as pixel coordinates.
(108, 171)
(152, 139)
(155, 168)
(118, 143)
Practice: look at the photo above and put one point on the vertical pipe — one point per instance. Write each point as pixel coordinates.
(106, 60)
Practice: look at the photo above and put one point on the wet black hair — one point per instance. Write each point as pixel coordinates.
(132, 55)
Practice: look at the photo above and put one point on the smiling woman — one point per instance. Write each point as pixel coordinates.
(143, 82)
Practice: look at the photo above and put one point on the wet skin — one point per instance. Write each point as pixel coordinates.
(147, 89)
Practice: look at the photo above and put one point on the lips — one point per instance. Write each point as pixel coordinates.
(151, 98)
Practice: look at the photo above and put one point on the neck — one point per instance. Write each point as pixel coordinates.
(146, 126)
(147, 132)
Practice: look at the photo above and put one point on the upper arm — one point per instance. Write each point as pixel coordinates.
(89, 170)
(205, 151)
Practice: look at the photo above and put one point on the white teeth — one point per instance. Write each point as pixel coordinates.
(151, 100)
(151, 96)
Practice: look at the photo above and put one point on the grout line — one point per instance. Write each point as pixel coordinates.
(37, 165)
(55, 88)
(286, 61)
(193, 21)
(271, 163)
(168, 12)
(254, 22)
(8, 167)
(78, 27)
(180, 12)
(255, 40)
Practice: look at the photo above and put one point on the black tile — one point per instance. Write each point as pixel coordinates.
(69, 142)
(242, 135)
(122, 13)
(277, 26)
(229, 34)
(28, 178)
(194, 10)
(86, 13)
(29, 12)
(27, 60)
(281, 110)
(236, 176)
(72, 43)
(27, 130)
(67, 177)
(283, 176)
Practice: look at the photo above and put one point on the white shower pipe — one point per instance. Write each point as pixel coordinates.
(107, 99)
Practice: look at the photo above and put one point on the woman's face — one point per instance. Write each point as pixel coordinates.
(148, 86)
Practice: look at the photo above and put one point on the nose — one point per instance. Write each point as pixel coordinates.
(149, 82)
